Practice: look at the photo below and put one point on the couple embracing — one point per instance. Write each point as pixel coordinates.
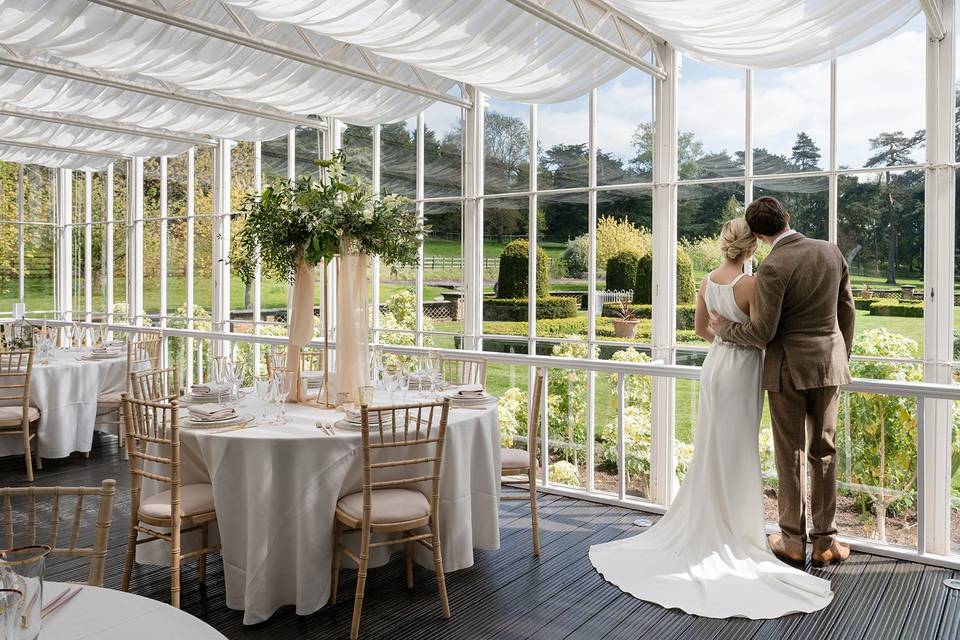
(709, 555)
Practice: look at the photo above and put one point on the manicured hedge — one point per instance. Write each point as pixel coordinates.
(863, 304)
(686, 285)
(515, 309)
(512, 278)
(685, 313)
(896, 308)
(622, 271)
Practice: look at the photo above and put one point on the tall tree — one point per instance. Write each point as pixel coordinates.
(893, 149)
(805, 153)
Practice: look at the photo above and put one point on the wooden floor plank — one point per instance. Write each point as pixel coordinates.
(510, 595)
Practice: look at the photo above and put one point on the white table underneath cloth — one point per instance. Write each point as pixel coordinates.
(276, 489)
(105, 614)
(65, 391)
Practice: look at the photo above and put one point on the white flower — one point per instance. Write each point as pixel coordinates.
(336, 170)
(368, 213)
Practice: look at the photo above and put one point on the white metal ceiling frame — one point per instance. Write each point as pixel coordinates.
(13, 59)
(63, 149)
(244, 37)
(90, 123)
(590, 32)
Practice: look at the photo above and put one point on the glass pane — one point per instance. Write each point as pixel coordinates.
(398, 158)
(791, 119)
(9, 267)
(805, 198)
(567, 417)
(563, 216)
(273, 159)
(9, 172)
(443, 268)
(876, 445)
(357, 144)
(506, 147)
(625, 129)
(151, 268)
(881, 234)
(39, 185)
(39, 251)
(711, 118)
(564, 153)
(880, 99)
(307, 150)
(504, 221)
(443, 150)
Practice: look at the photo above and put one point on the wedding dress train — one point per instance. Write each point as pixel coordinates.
(708, 555)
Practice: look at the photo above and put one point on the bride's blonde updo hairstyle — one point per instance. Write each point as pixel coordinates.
(737, 241)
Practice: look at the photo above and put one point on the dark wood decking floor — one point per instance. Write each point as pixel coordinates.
(509, 594)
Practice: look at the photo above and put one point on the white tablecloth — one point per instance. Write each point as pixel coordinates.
(276, 490)
(65, 391)
(106, 614)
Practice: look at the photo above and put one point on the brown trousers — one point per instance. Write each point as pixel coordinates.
(799, 416)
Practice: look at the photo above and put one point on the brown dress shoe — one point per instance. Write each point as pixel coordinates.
(836, 552)
(775, 540)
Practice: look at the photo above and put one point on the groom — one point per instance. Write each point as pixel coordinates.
(804, 318)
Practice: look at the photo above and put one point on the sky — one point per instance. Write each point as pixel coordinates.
(880, 88)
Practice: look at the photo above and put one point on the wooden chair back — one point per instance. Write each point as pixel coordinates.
(26, 522)
(465, 370)
(533, 424)
(144, 350)
(276, 358)
(416, 432)
(156, 384)
(153, 424)
(16, 367)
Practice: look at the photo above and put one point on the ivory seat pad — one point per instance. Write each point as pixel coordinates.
(387, 505)
(514, 459)
(194, 499)
(13, 416)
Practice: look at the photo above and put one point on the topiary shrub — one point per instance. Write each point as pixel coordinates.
(515, 309)
(686, 286)
(863, 304)
(896, 308)
(622, 271)
(512, 279)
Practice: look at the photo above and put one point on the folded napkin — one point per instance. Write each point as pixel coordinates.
(207, 412)
(207, 389)
(468, 391)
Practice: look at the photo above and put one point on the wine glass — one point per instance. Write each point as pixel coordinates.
(392, 379)
(68, 335)
(283, 382)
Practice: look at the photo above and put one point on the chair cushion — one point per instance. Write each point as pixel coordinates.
(514, 459)
(13, 416)
(194, 499)
(108, 402)
(387, 505)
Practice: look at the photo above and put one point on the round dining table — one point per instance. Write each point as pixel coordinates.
(65, 390)
(276, 487)
(107, 614)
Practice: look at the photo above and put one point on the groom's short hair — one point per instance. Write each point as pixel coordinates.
(767, 216)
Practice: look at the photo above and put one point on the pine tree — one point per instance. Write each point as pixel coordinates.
(806, 154)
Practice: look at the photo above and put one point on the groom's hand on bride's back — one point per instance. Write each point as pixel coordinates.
(717, 322)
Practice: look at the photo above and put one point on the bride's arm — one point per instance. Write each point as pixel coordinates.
(701, 321)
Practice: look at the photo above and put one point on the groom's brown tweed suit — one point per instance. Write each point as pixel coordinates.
(804, 317)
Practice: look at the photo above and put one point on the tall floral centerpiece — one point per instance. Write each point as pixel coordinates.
(293, 227)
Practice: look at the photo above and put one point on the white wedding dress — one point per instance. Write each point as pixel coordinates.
(708, 555)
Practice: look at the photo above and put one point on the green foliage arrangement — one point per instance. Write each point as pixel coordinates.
(312, 220)
(686, 286)
(513, 279)
(622, 271)
(515, 309)
(613, 236)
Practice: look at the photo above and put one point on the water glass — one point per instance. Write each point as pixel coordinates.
(264, 388)
(11, 604)
(283, 382)
(22, 569)
(365, 395)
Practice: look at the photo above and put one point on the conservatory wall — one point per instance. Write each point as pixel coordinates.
(639, 166)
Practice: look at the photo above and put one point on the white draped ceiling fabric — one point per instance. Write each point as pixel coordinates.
(166, 65)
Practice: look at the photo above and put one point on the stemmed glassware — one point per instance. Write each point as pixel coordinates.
(392, 379)
(68, 335)
(435, 369)
(265, 392)
(282, 386)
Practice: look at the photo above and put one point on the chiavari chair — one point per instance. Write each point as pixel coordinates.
(142, 353)
(17, 417)
(516, 462)
(55, 501)
(153, 444)
(465, 370)
(391, 501)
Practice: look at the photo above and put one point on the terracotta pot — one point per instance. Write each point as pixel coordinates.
(625, 328)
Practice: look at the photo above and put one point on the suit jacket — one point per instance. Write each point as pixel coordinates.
(804, 315)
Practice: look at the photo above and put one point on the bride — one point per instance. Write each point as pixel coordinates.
(708, 555)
